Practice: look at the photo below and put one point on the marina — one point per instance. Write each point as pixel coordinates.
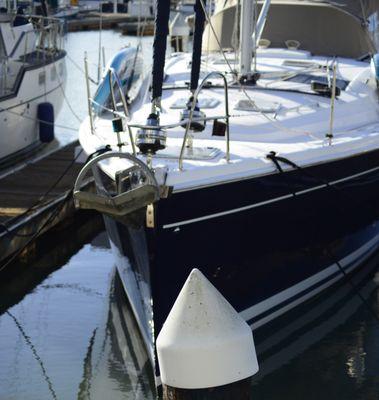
(194, 214)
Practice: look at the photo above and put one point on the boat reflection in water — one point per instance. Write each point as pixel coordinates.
(124, 359)
(128, 346)
(329, 344)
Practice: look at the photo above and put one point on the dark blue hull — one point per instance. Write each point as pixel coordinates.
(267, 243)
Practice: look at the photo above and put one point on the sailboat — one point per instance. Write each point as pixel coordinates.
(254, 158)
(32, 75)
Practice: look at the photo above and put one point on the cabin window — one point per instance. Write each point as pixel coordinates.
(53, 73)
(42, 78)
(3, 52)
(61, 68)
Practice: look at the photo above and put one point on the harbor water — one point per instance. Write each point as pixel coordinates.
(66, 331)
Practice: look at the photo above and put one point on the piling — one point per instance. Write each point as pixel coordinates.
(205, 349)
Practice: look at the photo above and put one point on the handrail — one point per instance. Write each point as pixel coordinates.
(88, 93)
(114, 154)
(112, 73)
(194, 102)
(332, 104)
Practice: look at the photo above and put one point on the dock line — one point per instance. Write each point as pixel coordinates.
(3, 226)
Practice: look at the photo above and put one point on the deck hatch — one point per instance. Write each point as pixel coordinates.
(194, 153)
(204, 103)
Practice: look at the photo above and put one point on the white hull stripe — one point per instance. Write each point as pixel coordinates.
(262, 203)
(279, 303)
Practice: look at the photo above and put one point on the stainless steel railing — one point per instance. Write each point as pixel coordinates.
(226, 117)
(113, 78)
(113, 74)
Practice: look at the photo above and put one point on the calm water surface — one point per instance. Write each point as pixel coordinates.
(66, 333)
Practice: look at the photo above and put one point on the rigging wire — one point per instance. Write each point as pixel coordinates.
(235, 35)
(81, 69)
(276, 124)
(67, 101)
(38, 120)
(99, 55)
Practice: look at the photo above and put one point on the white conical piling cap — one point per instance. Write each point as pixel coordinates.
(204, 342)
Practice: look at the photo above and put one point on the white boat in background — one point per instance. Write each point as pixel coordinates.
(67, 12)
(32, 76)
(141, 8)
(256, 161)
(66, 9)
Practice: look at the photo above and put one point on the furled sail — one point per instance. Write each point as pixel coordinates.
(159, 46)
(197, 44)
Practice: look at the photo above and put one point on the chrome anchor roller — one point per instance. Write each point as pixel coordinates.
(137, 188)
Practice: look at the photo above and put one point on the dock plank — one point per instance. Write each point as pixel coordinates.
(27, 187)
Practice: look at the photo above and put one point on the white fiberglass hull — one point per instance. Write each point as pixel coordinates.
(19, 126)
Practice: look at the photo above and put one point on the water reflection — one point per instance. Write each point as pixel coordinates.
(67, 337)
(331, 349)
(73, 336)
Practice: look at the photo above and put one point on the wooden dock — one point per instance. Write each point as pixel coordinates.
(36, 198)
(93, 21)
(136, 29)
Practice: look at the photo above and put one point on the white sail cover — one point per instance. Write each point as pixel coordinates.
(360, 8)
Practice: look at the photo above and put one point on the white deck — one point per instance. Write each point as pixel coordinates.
(291, 122)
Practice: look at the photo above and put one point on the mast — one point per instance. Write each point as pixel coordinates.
(249, 37)
(246, 39)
